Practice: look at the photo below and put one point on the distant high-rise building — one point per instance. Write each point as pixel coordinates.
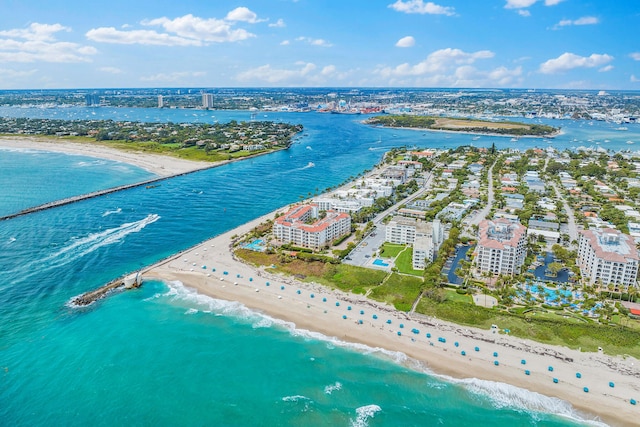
(207, 100)
(160, 101)
(92, 100)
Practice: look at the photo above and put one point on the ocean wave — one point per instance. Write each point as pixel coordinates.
(363, 414)
(79, 247)
(333, 387)
(116, 211)
(295, 398)
(504, 395)
(191, 311)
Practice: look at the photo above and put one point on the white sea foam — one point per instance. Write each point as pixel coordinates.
(191, 311)
(12, 239)
(504, 395)
(295, 398)
(116, 211)
(363, 414)
(333, 387)
(81, 246)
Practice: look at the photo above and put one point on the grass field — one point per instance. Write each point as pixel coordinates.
(391, 250)
(448, 123)
(404, 263)
(399, 291)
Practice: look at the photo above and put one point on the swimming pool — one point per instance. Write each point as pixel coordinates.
(380, 263)
(257, 245)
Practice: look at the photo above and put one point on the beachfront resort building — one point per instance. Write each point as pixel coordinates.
(425, 237)
(303, 226)
(607, 256)
(502, 246)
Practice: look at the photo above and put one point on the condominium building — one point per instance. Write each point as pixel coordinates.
(207, 100)
(501, 246)
(302, 226)
(425, 237)
(608, 256)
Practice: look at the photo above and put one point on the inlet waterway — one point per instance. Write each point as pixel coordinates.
(165, 356)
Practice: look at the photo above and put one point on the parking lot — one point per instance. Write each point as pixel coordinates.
(362, 254)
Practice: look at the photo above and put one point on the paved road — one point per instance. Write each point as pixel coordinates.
(362, 254)
(571, 220)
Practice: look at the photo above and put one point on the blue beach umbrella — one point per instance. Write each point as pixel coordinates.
(611, 384)
(298, 291)
(389, 321)
(464, 353)
(632, 401)
(361, 311)
(527, 372)
(312, 296)
(550, 368)
(337, 304)
(399, 333)
(578, 375)
(495, 354)
(349, 308)
(495, 362)
(523, 362)
(324, 300)
(586, 389)
(555, 381)
(375, 316)
(344, 316)
(477, 349)
(428, 335)
(282, 287)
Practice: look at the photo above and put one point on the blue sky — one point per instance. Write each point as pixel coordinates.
(343, 43)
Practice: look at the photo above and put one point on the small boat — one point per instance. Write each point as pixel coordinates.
(629, 142)
(475, 138)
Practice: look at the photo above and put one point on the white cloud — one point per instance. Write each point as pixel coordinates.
(38, 43)
(314, 42)
(243, 14)
(524, 12)
(585, 20)
(437, 62)
(451, 68)
(111, 70)
(418, 6)
(285, 43)
(176, 77)
(187, 30)
(328, 70)
(634, 79)
(278, 24)
(206, 30)
(144, 37)
(521, 4)
(568, 61)
(606, 68)
(635, 55)
(407, 41)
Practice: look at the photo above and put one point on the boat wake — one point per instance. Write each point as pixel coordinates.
(107, 213)
(80, 247)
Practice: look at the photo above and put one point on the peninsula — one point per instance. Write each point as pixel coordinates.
(452, 124)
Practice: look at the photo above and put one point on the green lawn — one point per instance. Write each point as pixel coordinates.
(404, 263)
(391, 250)
(456, 297)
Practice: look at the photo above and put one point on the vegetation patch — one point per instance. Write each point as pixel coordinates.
(462, 125)
(400, 291)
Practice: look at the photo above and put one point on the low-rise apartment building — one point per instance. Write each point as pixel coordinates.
(302, 227)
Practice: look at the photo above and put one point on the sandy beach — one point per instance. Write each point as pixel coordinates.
(211, 269)
(155, 163)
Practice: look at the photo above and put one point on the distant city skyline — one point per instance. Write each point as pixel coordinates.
(542, 44)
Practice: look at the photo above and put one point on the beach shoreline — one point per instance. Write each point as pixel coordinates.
(334, 313)
(160, 165)
(612, 404)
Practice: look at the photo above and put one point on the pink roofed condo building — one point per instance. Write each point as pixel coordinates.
(302, 226)
(501, 246)
(607, 256)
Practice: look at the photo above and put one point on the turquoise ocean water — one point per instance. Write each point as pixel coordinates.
(162, 355)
